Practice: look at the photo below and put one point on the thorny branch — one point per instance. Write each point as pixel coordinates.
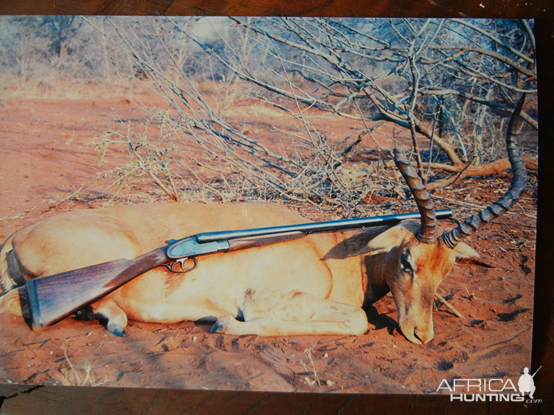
(426, 77)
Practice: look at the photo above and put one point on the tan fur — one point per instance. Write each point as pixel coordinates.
(313, 285)
(5, 281)
(10, 301)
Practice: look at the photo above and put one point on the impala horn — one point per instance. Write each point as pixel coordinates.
(498, 208)
(428, 231)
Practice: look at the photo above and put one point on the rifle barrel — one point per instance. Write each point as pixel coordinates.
(336, 225)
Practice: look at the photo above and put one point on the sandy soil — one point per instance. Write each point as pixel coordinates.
(48, 165)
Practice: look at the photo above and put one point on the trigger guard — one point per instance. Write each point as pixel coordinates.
(182, 261)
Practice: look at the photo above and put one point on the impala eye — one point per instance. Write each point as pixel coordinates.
(405, 262)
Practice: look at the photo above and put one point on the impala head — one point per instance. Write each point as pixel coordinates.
(418, 257)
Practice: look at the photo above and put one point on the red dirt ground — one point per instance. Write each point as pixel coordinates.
(48, 165)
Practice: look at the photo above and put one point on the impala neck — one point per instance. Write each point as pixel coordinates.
(375, 286)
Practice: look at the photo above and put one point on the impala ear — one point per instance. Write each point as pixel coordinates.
(384, 242)
(372, 241)
(387, 240)
(465, 255)
(354, 246)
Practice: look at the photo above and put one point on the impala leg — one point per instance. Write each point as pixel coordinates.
(10, 302)
(116, 319)
(294, 313)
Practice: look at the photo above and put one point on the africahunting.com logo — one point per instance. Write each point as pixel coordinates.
(492, 390)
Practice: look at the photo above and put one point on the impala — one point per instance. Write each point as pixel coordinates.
(311, 286)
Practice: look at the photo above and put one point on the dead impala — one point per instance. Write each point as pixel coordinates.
(316, 285)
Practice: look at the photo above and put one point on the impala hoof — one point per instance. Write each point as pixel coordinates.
(116, 329)
(222, 324)
(111, 316)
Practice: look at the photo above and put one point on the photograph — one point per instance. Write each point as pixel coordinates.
(272, 204)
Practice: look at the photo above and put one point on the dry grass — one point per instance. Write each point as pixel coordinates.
(307, 379)
(256, 110)
(52, 87)
(71, 376)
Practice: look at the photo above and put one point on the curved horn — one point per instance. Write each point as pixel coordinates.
(428, 231)
(498, 208)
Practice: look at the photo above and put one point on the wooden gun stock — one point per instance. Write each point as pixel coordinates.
(47, 300)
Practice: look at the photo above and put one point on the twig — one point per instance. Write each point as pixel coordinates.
(459, 203)
(442, 300)
(470, 295)
(314, 370)
(72, 195)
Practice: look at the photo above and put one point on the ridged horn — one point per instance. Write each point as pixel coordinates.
(498, 208)
(428, 231)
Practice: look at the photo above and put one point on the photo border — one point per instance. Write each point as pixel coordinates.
(543, 324)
